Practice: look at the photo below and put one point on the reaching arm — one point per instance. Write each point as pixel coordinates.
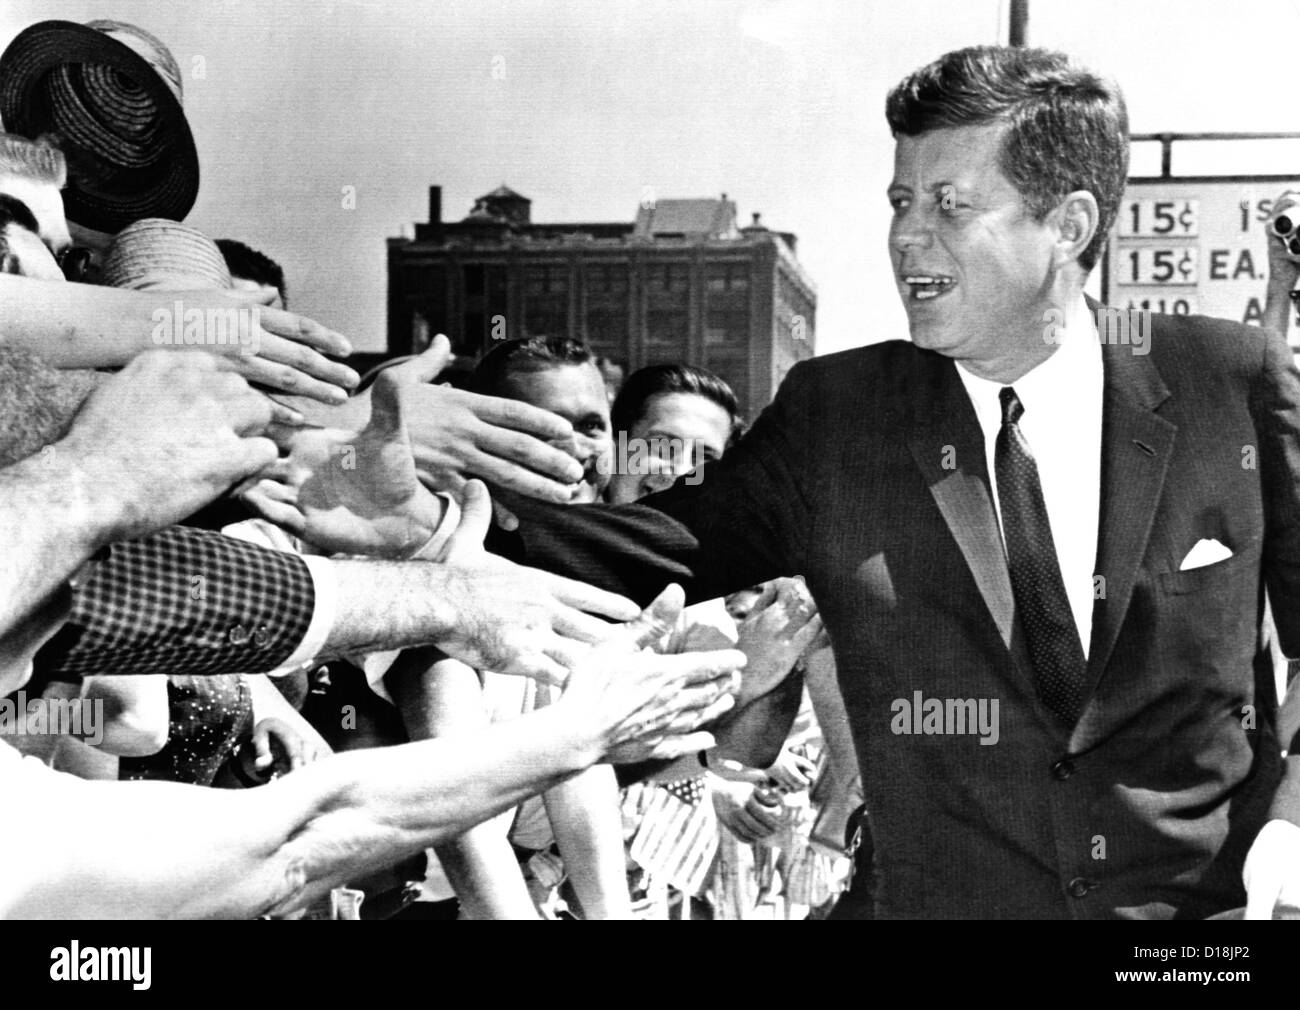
(588, 825)
(84, 326)
(173, 850)
(136, 713)
(217, 605)
(438, 696)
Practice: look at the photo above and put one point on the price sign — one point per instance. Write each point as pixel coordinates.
(1175, 304)
(1152, 265)
(1154, 218)
(1194, 246)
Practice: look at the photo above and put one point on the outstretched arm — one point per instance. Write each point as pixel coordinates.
(84, 326)
(174, 850)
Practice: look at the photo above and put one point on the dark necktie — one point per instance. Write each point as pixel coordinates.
(1043, 607)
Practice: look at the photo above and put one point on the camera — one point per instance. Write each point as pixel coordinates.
(1286, 226)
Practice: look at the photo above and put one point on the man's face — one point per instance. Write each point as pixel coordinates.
(678, 432)
(972, 266)
(577, 394)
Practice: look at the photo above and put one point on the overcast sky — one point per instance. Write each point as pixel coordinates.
(778, 103)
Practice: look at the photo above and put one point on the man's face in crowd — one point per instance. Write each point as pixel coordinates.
(36, 253)
(972, 265)
(688, 430)
(577, 394)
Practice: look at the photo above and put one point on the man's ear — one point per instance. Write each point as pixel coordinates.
(1076, 219)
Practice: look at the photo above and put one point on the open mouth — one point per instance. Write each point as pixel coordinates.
(926, 287)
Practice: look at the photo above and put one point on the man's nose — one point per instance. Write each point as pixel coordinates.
(910, 230)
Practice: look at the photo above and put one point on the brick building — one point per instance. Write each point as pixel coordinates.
(681, 282)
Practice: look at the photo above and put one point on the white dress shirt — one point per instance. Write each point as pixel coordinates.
(1062, 398)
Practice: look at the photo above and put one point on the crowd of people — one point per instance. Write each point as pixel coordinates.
(249, 562)
(668, 666)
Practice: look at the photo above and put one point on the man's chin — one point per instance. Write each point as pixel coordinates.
(932, 338)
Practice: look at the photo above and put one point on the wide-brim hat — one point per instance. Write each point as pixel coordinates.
(111, 94)
(158, 254)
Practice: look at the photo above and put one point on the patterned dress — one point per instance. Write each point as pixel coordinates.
(209, 717)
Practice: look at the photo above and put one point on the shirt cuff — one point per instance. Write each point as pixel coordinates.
(324, 583)
(432, 551)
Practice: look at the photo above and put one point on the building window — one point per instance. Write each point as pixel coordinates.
(546, 323)
(546, 280)
(607, 328)
(726, 327)
(471, 341)
(667, 326)
(417, 278)
(668, 277)
(727, 277)
(607, 278)
(474, 279)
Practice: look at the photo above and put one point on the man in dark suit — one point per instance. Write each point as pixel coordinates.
(1041, 556)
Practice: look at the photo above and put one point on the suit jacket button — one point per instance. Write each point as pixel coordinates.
(1062, 769)
(239, 635)
(1079, 886)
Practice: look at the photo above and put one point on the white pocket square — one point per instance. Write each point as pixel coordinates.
(1206, 552)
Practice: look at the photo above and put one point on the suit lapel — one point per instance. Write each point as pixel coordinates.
(945, 440)
(1136, 445)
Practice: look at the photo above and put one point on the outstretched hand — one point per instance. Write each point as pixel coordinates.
(510, 619)
(647, 706)
(352, 493)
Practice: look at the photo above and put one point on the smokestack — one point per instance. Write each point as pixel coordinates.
(435, 205)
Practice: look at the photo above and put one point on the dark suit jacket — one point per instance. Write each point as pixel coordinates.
(1149, 805)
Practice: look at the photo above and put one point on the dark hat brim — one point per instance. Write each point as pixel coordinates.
(166, 188)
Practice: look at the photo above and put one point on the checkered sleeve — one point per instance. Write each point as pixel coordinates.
(183, 601)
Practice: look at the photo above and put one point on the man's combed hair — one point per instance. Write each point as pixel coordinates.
(629, 406)
(246, 262)
(524, 354)
(32, 160)
(1067, 127)
(13, 212)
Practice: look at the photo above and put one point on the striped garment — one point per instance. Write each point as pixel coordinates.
(676, 832)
